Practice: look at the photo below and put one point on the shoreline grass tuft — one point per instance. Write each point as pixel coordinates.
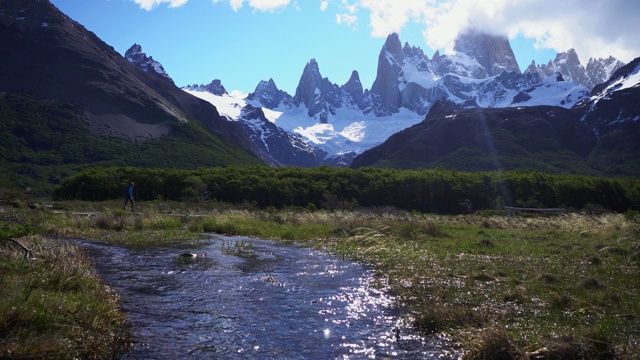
(54, 305)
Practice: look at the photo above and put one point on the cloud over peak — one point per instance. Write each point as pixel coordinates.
(594, 28)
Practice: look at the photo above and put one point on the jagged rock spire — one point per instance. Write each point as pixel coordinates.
(136, 56)
(320, 96)
(493, 52)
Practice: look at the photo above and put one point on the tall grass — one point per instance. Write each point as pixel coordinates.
(538, 285)
(533, 281)
(543, 287)
(55, 307)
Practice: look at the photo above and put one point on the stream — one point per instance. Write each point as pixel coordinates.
(255, 299)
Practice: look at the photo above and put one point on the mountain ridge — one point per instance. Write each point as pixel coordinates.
(407, 82)
(132, 97)
(51, 61)
(598, 135)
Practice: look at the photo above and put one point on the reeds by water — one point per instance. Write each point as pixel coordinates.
(524, 287)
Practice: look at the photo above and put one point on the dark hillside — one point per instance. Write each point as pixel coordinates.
(546, 139)
(70, 101)
(614, 113)
(49, 55)
(44, 141)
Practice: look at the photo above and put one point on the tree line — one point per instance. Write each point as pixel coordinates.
(428, 191)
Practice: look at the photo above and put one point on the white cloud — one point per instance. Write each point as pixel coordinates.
(351, 8)
(595, 28)
(150, 4)
(388, 16)
(268, 5)
(235, 4)
(348, 20)
(260, 5)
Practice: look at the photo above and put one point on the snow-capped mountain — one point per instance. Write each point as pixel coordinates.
(136, 56)
(317, 94)
(598, 135)
(493, 53)
(342, 121)
(215, 87)
(268, 94)
(403, 79)
(282, 147)
(568, 64)
(275, 145)
(332, 143)
(600, 70)
(489, 77)
(615, 102)
(554, 91)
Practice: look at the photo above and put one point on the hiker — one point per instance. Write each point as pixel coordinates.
(129, 196)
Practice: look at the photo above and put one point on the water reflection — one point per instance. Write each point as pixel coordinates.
(272, 301)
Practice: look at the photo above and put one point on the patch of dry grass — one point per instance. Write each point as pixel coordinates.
(534, 286)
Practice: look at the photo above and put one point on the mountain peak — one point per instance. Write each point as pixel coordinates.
(312, 65)
(393, 44)
(269, 96)
(570, 57)
(493, 52)
(353, 88)
(354, 78)
(216, 87)
(136, 56)
(392, 49)
(532, 68)
(133, 50)
(318, 94)
(600, 70)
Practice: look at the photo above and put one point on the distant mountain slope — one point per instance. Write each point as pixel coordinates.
(598, 135)
(543, 138)
(613, 112)
(44, 141)
(345, 120)
(104, 108)
(47, 54)
(568, 64)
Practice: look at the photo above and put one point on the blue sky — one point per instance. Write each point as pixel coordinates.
(242, 42)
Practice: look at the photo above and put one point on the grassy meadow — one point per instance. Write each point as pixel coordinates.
(496, 287)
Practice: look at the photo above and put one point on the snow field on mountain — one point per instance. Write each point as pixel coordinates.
(229, 106)
(347, 131)
(632, 80)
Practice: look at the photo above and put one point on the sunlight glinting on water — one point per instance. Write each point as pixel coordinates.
(270, 301)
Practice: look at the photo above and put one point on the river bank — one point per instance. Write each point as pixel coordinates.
(522, 287)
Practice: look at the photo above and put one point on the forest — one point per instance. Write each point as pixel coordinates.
(45, 141)
(438, 190)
